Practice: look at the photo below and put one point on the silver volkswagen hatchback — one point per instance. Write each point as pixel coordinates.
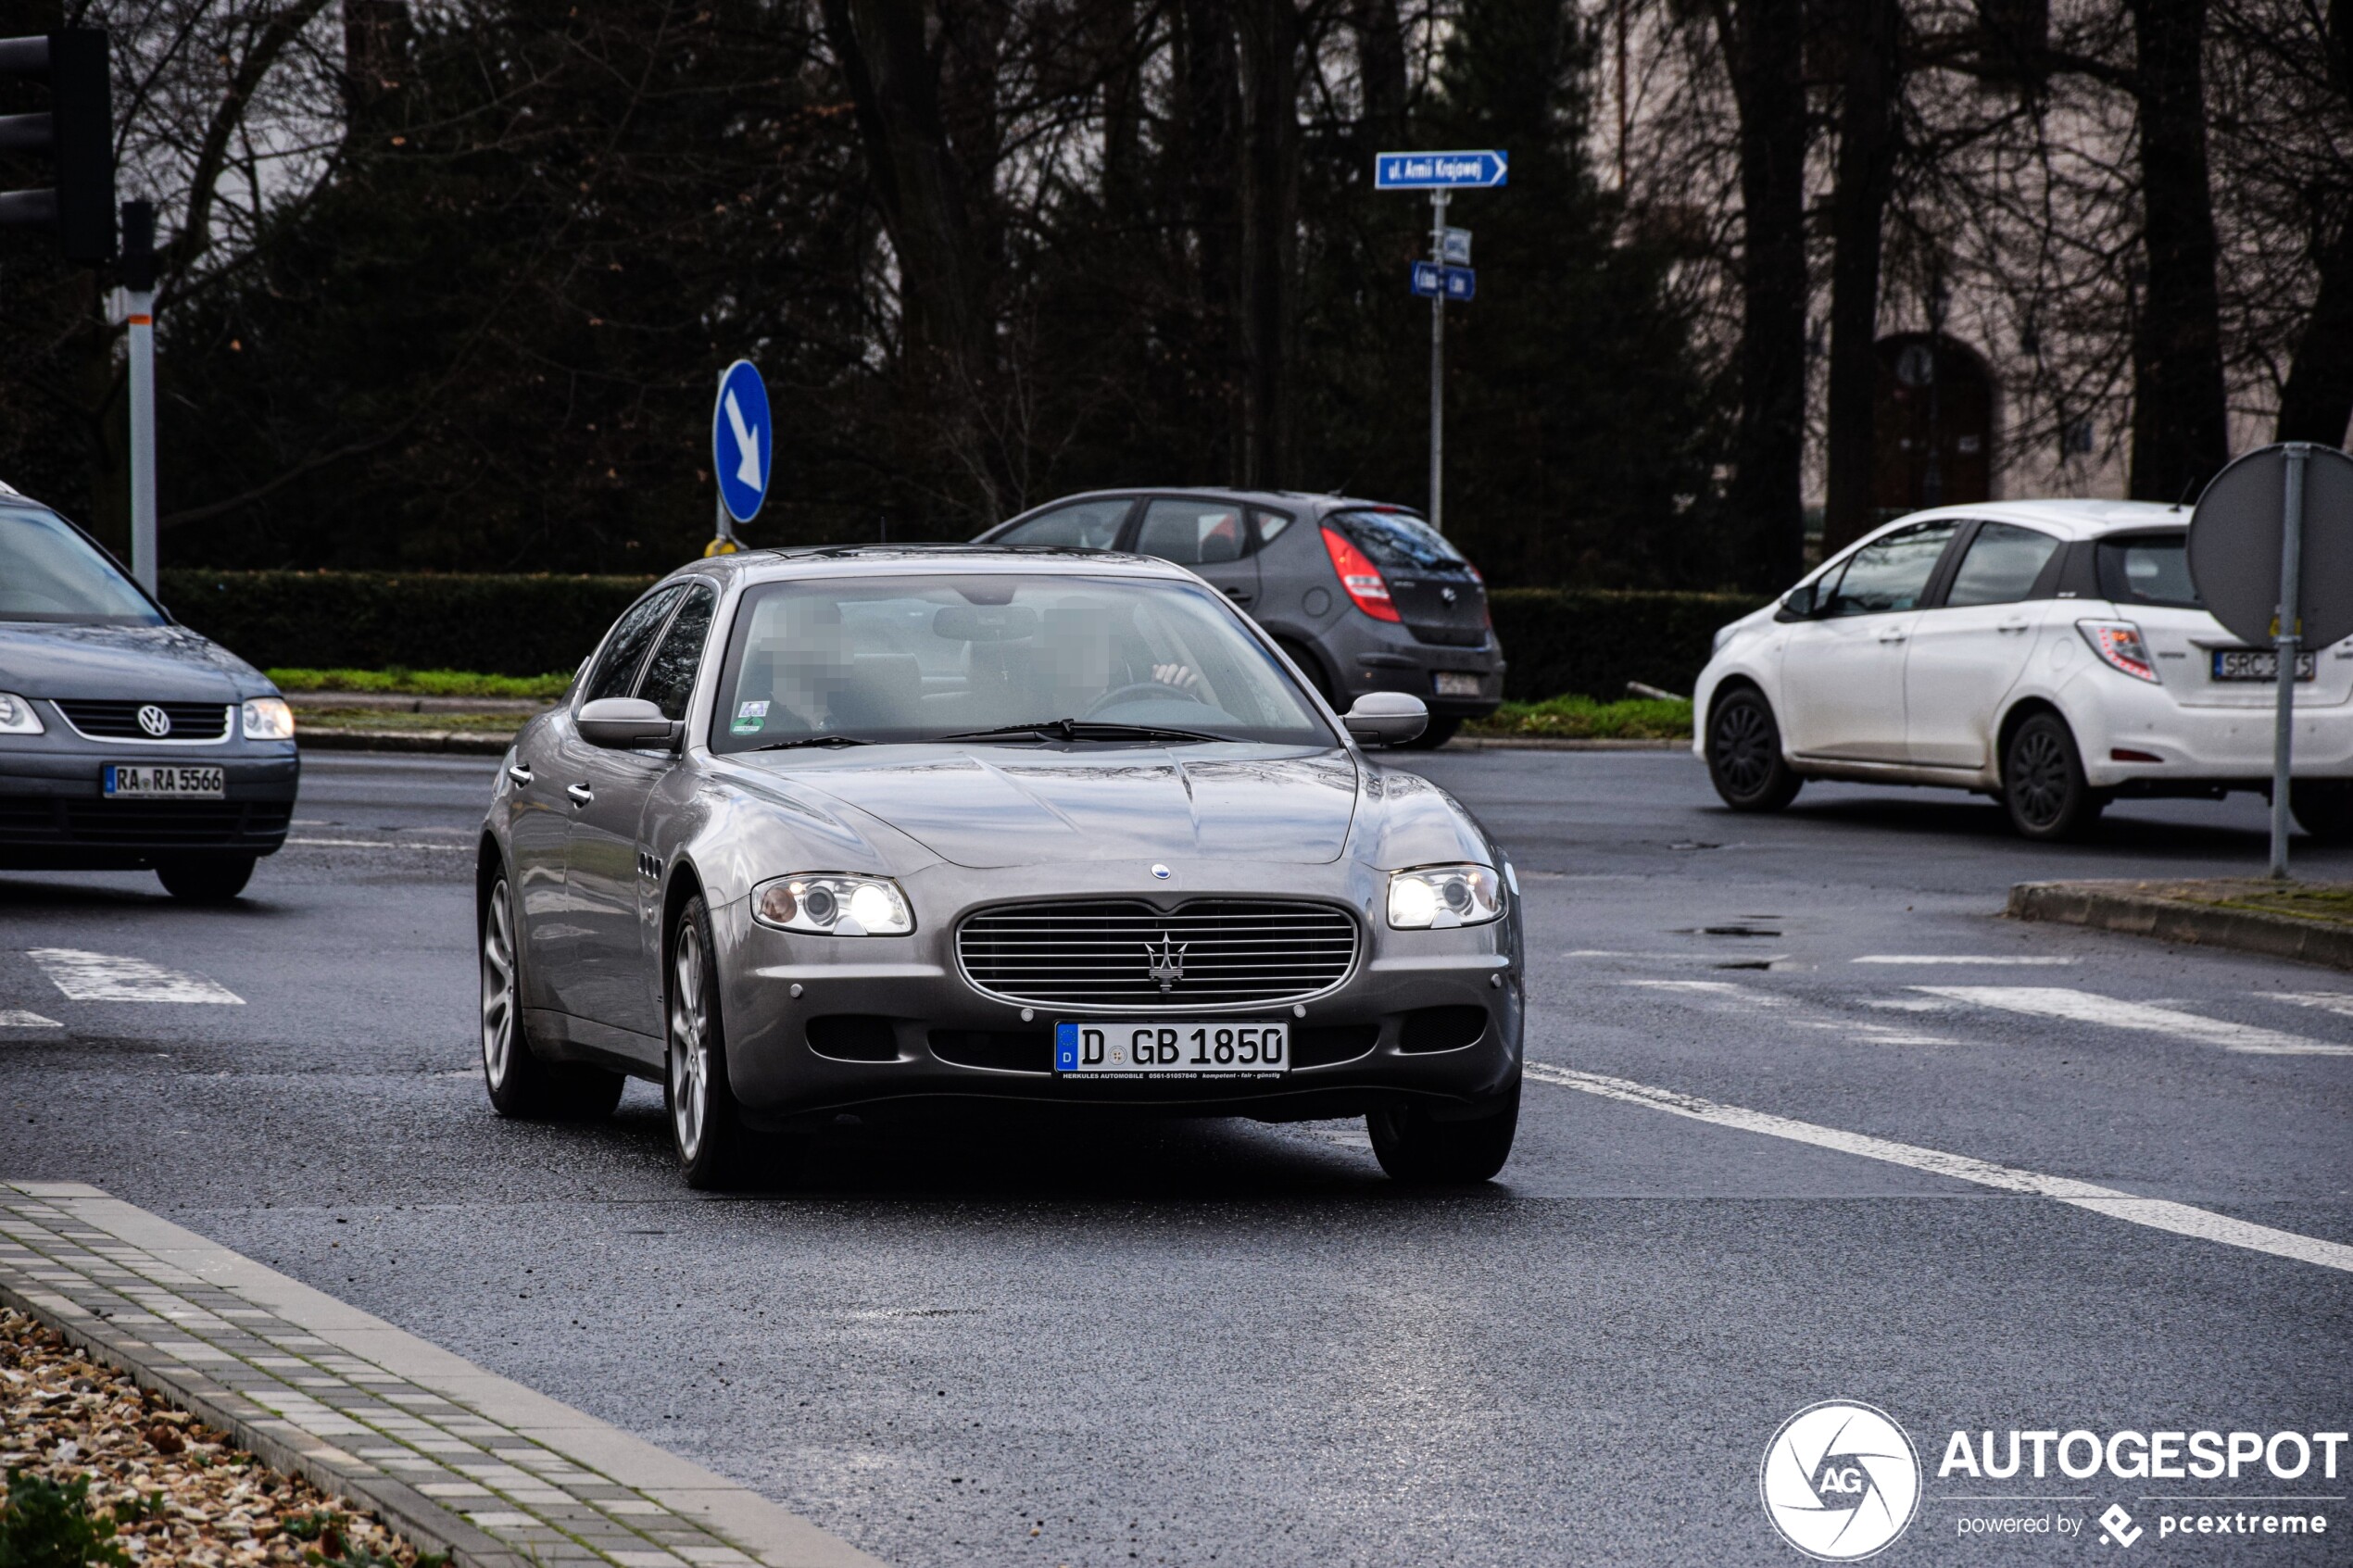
(867, 829)
(127, 740)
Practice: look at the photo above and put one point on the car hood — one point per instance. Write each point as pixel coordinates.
(1011, 806)
(145, 663)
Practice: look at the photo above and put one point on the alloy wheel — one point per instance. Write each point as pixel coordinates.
(2038, 777)
(1742, 747)
(689, 1044)
(498, 987)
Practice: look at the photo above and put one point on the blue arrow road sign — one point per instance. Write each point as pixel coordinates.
(1440, 171)
(1428, 279)
(742, 440)
(1462, 283)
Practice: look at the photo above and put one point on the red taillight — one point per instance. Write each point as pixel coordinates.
(1359, 577)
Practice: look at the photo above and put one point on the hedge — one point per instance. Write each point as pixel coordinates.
(1593, 641)
(1559, 640)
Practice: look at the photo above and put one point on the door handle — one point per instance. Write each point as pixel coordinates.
(581, 794)
(1893, 636)
(520, 774)
(1240, 596)
(2011, 628)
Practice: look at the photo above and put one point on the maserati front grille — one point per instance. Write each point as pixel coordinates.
(1106, 953)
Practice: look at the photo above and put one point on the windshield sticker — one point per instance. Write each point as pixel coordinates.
(752, 711)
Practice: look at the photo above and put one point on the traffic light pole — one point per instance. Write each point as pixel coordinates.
(1437, 365)
(139, 289)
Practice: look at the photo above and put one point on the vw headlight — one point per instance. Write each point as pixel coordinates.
(268, 717)
(1439, 897)
(16, 717)
(824, 904)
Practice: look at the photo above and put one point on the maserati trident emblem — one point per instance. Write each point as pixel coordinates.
(1164, 961)
(154, 720)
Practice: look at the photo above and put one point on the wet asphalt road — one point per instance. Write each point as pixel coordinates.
(1229, 1343)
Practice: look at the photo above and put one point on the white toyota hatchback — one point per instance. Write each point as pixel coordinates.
(2052, 654)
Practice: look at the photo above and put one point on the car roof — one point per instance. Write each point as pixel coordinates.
(1277, 500)
(916, 560)
(2070, 519)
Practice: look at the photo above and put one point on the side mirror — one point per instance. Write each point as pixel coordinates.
(624, 722)
(1797, 604)
(1386, 717)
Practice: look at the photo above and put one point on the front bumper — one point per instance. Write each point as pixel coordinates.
(54, 816)
(1378, 1038)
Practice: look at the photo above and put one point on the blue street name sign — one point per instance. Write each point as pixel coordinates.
(1462, 283)
(743, 440)
(1428, 279)
(1440, 171)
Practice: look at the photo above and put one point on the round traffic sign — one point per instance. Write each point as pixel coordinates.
(742, 440)
(2234, 545)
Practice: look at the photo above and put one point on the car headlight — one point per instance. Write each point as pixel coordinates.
(16, 717)
(827, 905)
(1439, 897)
(268, 717)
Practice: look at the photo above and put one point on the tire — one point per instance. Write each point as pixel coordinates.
(705, 1126)
(1440, 732)
(2323, 807)
(522, 1085)
(1415, 1147)
(1744, 760)
(2043, 782)
(209, 879)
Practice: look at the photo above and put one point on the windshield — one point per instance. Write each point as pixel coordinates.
(50, 572)
(1397, 542)
(925, 659)
(2149, 569)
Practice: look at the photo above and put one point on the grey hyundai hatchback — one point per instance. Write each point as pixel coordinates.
(127, 740)
(1364, 596)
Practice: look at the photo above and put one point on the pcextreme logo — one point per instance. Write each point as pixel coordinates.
(1840, 1481)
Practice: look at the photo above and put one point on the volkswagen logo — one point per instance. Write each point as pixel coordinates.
(1840, 1481)
(1164, 961)
(154, 720)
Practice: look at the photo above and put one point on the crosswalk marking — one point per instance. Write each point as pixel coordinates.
(2090, 1007)
(16, 1018)
(1980, 959)
(104, 977)
(2337, 1002)
(2157, 1213)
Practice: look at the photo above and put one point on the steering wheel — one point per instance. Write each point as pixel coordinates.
(1138, 688)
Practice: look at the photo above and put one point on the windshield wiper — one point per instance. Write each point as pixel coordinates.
(812, 740)
(1082, 729)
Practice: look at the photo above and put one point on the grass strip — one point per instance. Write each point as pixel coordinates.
(421, 683)
(1581, 717)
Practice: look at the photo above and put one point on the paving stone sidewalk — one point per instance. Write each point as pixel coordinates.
(457, 1459)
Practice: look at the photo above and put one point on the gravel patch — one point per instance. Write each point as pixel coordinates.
(178, 1491)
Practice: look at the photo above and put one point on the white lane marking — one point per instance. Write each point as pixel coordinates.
(372, 844)
(1911, 1004)
(1765, 1001)
(2090, 1007)
(1723, 989)
(2337, 1002)
(2157, 1213)
(101, 977)
(14, 1018)
(1956, 958)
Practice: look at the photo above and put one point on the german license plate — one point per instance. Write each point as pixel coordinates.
(162, 782)
(2260, 664)
(1164, 1049)
(1453, 683)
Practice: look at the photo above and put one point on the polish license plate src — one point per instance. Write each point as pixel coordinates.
(1136, 1048)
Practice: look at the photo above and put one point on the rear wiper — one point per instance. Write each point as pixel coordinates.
(812, 740)
(1082, 729)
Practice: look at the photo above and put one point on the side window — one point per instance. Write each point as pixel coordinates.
(616, 669)
(1191, 533)
(1270, 525)
(2001, 566)
(1088, 525)
(670, 674)
(1890, 574)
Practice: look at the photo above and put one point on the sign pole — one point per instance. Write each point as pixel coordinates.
(1437, 365)
(139, 291)
(2286, 630)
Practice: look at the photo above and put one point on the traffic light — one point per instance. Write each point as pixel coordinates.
(77, 135)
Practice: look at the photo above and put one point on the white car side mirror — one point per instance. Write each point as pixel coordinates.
(1387, 718)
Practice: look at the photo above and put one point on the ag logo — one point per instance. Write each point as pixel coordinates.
(1840, 1481)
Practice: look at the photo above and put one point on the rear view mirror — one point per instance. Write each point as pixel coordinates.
(1798, 604)
(623, 722)
(1386, 717)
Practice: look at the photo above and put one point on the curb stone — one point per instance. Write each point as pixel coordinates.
(457, 1459)
(2145, 909)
